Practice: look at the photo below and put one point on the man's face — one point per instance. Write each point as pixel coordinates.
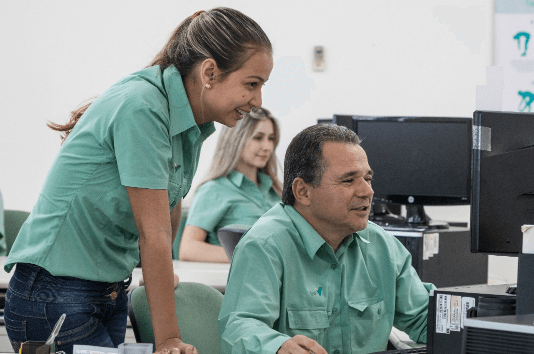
(340, 205)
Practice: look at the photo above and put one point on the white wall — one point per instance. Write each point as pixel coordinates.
(383, 57)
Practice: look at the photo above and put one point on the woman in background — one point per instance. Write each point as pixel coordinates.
(241, 185)
(116, 184)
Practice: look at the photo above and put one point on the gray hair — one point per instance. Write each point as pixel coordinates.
(304, 155)
(232, 141)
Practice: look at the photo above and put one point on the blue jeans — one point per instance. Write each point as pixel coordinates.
(96, 312)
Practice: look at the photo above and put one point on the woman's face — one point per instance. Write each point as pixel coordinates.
(260, 147)
(228, 100)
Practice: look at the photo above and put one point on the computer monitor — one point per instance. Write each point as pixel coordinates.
(416, 161)
(503, 192)
(503, 181)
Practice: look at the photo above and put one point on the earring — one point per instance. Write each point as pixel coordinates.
(208, 86)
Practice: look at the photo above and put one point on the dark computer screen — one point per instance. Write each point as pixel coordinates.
(503, 181)
(417, 161)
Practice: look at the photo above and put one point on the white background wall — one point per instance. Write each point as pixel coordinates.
(383, 57)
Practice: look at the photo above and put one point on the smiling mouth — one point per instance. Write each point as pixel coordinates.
(362, 208)
(241, 112)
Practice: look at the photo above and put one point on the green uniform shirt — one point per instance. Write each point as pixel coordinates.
(286, 280)
(139, 133)
(233, 199)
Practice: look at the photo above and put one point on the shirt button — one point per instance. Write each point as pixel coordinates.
(334, 310)
(360, 314)
(334, 266)
(379, 311)
(336, 351)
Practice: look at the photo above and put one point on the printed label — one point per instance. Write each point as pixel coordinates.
(443, 318)
(467, 303)
(456, 313)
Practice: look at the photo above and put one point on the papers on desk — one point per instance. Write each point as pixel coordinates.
(125, 348)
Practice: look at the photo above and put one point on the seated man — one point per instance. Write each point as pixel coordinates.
(313, 274)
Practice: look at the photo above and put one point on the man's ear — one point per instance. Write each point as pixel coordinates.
(301, 191)
(208, 71)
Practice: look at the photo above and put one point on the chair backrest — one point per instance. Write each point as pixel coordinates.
(229, 237)
(178, 238)
(197, 310)
(13, 220)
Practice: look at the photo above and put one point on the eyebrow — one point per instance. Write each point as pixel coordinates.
(257, 77)
(353, 173)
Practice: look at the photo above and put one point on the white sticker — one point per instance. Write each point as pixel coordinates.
(467, 303)
(435, 243)
(443, 318)
(426, 247)
(456, 313)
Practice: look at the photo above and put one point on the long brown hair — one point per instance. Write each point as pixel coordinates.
(223, 34)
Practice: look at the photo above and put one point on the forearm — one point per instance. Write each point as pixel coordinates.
(195, 248)
(158, 276)
(200, 251)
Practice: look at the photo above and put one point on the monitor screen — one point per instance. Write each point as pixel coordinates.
(417, 160)
(502, 182)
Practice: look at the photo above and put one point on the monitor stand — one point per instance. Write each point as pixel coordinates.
(416, 218)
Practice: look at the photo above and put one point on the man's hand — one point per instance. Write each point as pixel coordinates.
(175, 346)
(300, 344)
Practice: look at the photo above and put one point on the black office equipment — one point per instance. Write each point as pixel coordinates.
(503, 192)
(421, 350)
(417, 161)
(229, 237)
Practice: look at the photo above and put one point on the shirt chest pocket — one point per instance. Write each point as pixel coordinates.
(311, 323)
(368, 322)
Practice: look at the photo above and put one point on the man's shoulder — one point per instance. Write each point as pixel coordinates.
(275, 227)
(376, 234)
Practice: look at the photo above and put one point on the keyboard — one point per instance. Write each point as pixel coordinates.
(421, 350)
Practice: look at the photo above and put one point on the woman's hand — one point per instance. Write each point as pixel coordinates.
(175, 346)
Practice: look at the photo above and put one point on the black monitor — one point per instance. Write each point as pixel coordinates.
(503, 181)
(503, 192)
(416, 161)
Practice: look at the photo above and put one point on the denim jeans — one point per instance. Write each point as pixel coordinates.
(96, 312)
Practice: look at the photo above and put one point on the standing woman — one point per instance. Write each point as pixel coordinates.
(118, 180)
(241, 185)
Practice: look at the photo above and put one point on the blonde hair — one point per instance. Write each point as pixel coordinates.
(232, 141)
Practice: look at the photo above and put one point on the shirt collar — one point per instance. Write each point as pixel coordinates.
(311, 239)
(237, 179)
(181, 115)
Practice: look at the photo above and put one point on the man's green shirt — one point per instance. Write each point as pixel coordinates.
(139, 133)
(286, 280)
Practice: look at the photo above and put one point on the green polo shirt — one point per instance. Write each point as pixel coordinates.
(139, 133)
(286, 280)
(233, 199)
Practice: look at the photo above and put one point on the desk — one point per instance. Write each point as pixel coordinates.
(212, 274)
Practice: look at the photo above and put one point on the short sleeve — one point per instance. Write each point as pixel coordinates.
(139, 137)
(208, 207)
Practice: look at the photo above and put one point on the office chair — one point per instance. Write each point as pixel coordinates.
(13, 220)
(229, 236)
(197, 310)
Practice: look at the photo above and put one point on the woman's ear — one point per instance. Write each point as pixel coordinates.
(208, 71)
(301, 191)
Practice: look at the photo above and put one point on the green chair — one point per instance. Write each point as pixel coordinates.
(197, 310)
(13, 220)
(178, 238)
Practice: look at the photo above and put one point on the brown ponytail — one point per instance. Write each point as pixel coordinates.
(74, 117)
